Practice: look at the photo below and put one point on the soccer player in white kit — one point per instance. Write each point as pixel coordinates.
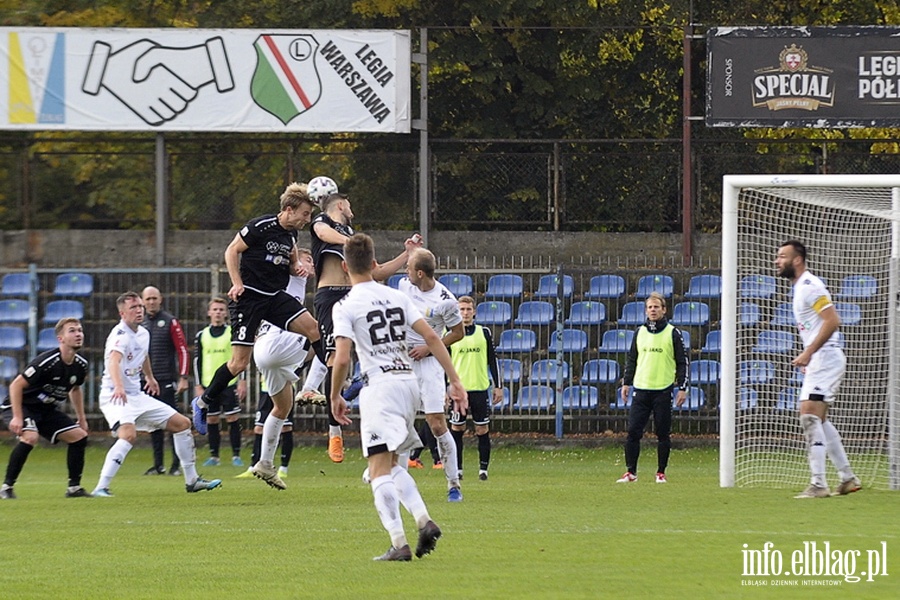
(824, 363)
(375, 318)
(128, 408)
(441, 311)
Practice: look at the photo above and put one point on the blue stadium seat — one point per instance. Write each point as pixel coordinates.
(545, 370)
(632, 314)
(459, 284)
(748, 314)
(704, 286)
(616, 340)
(580, 397)
(493, 313)
(517, 340)
(571, 340)
(74, 284)
(749, 398)
(59, 309)
(756, 372)
(14, 311)
(705, 371)
(664, 284)
(394, 280)
(693, 314)
(47, 339)
(510, 370)
(797, 377)
(761, 287)
(774, 342)
(12, 338)
(16, 284)
(504, 285)
(686, 339)
(587, 312)
(850, 313)
(713, 343)
(787, 399)
(784, 315)
(696, 399)
(606, 286)
(618, 403)
(858, 287)
(535, 313)
(9, 368)
(600, 370)
(548, 286)
(535, 397)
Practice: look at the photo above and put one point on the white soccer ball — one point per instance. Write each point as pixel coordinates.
(320, 188)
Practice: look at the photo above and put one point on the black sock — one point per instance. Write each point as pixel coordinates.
(176, 464)
(17, 460)
(234, 435)
(484, 451)
(220, 381)
(331, 420)
(157, 439)
(287, 448)
(319, 349)
(458, 438)
(215, 438)
(75, 461)
(257, 449)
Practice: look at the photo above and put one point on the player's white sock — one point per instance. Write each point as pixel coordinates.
(270, 437)
(334, 430)
(403, 461)
(187, 454)
(315, 376)
(835, 449)
(387, 504)
(815, 441)
(409, 495)
(114, 459)
(447, 449)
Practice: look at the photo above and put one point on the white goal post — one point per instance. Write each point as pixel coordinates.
(851, 227)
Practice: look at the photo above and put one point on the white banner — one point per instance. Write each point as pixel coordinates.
(205, 80)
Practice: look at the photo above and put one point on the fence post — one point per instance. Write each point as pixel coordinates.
(560, 384)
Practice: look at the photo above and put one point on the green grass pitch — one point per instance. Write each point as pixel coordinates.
(548, 524)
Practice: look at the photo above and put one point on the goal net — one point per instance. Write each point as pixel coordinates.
(850, 225)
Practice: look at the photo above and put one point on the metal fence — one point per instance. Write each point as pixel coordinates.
(532, 386)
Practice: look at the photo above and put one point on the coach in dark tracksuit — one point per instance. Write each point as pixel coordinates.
(657, 362)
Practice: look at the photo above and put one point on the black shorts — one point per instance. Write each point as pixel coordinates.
(45, 419)
(252, 308)
(324, 302)
(226, 403)
(479, 408)
(265, 407)
(166, 393)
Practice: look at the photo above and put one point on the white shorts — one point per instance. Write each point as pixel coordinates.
(432, 389)
(277, 354)
(142, 410)
(824, 374)
(387, 414)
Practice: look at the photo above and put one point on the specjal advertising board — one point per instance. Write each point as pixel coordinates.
(205, 80)
(803, 77)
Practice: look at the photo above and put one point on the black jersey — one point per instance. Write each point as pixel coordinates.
(50, 379)
(320, 248)
(266, 264)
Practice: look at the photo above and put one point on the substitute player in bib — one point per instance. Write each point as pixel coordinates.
(32, 408)
(328, 231)
(260, 260)
(128, 408)
(441, 311)
(824, 363)
(375, 318)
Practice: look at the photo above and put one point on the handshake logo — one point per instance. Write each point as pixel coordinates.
(157, 82)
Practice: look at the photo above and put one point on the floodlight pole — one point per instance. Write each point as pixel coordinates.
(161, 209)
(421, 58)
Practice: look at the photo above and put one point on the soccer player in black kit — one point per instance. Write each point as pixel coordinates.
(32, 408)
(260, 260)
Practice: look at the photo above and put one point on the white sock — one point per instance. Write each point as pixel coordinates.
(447, 449)
(187, 454)
(815, 442)
(334, 430)
(835, 450)
(403, 461)
(114, 459)
(409, 495)
(315, 376)
(387, 503)
(270, 437)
